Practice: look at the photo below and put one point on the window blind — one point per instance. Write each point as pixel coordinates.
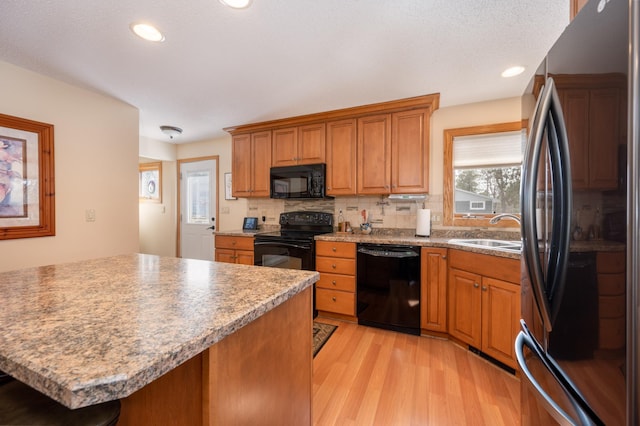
(488, 150)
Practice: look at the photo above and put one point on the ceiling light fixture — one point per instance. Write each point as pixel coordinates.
(147, 32)
(236, 4)
(513, 71)
(171, 131)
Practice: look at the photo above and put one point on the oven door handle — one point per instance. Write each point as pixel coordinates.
(283, 244)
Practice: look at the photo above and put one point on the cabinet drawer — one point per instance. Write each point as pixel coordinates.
(339, 302)
(336, 265)
(610, 262)
(236, 243)
(611, 306)
(336, 249)
(611, 284)
(337, 282)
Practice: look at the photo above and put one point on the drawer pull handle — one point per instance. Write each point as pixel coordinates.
(333, 298)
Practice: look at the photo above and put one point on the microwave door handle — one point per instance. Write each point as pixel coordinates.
(524, 339)
(530, 245)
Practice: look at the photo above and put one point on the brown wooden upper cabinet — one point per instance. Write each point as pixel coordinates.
(341, 157)
(251, 162)
(592, 105)
(298, 145)
(370, 149)
(393, 153)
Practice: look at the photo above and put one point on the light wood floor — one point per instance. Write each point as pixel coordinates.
(368, 376)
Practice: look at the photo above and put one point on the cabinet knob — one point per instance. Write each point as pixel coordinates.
(334, 249)
(444, 257)
(333, 282)
(484, 288)
(476, 285)
(333, 266)
(333, 298)
(233, 243)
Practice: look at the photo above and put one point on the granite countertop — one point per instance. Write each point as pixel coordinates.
(98, 330)
(413, 240)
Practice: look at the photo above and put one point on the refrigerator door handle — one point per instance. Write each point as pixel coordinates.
(548, 116)
(524, 339)
(529, 227)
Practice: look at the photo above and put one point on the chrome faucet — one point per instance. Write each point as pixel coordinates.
(498, 218)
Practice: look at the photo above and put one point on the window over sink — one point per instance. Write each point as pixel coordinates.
(482, 170)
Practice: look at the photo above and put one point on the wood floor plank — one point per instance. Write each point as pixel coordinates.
(368, 376)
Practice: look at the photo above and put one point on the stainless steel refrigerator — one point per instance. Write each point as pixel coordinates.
(578, 347)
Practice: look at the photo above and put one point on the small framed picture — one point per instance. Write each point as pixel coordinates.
(228, 188)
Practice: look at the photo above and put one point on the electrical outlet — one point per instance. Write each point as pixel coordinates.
(224, 210)
(90, 215)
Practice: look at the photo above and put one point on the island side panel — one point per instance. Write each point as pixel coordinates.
(173, 399)
(262, 374)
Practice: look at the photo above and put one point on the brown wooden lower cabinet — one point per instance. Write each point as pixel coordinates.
(336, 289)
(610, 267)
(231, 249)
(433, 291)
(484, 303)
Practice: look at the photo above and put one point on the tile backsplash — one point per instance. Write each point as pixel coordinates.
(382, 212)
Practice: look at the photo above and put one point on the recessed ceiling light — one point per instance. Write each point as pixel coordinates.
(236, 4)
(513, 71)
(147, 32)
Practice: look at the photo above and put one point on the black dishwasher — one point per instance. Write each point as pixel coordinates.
(389, 287)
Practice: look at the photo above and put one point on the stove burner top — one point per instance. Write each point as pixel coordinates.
(300, 225)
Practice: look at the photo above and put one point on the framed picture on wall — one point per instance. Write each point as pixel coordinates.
(150, 184)
(228, 187)
(27, 189)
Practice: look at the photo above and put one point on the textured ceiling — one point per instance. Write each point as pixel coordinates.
(221, 67)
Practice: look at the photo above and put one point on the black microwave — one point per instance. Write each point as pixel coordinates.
(298, 182)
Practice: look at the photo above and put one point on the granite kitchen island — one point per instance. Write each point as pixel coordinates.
(178, 341)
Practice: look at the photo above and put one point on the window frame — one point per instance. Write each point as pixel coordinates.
(481, 219)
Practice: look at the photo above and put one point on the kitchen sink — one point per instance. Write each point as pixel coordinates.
(502, 245)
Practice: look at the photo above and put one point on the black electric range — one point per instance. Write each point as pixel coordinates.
(293, 246)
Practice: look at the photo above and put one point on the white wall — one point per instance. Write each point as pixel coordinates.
(96, 167)
(158, 221)
(476, 114)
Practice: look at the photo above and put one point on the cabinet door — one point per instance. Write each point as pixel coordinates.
(465, 304)
(225, 255)
(410, 152)
(285, 147)
(433, 291)
(575, 106)
(374, 154)
(341, 157)
(500, 317)
(311, 144)
(604, 137)
(241, 165)
(244, 257)
(261, 160)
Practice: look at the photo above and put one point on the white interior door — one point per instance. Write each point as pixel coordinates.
(198, 198)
